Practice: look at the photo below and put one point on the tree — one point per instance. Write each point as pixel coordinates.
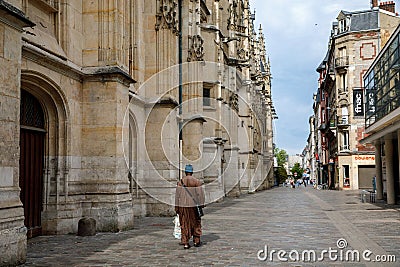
(280, 174)
(281, 156)
(280, 171)
(297, 169)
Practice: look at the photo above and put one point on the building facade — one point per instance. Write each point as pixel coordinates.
(356, 39)
(382, 118)
(103, 103)
(310, 163)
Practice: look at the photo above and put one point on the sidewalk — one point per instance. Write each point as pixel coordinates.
(236, 230)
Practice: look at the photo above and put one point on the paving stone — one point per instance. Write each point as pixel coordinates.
(235, 230)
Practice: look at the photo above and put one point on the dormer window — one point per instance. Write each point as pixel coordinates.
(344, 25)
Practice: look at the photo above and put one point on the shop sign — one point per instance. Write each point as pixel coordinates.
(358, 102)
(364, 158)
(370, 103)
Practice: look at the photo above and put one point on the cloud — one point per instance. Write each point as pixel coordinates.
(297, 34)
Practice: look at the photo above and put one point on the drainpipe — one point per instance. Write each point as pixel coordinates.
(180, 84)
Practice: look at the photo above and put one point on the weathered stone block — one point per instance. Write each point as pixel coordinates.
(6, 176)
(87, 227)
(13, 248)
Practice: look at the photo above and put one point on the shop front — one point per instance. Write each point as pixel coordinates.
(356, 171)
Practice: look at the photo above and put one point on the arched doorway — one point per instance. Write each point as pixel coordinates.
(32, 140)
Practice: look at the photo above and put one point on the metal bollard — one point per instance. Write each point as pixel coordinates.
(372, 197)
(363, 196)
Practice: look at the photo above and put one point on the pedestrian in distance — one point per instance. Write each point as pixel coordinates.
(189, 190)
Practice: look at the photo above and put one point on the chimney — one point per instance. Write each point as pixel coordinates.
(374, 3)
(388, 6)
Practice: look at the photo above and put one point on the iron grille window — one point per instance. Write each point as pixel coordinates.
(31, 111)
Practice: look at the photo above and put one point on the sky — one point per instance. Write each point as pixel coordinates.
(296, 34)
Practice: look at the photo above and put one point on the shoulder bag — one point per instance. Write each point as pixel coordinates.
(198, 208)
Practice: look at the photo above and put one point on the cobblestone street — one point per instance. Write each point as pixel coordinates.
(235, 230)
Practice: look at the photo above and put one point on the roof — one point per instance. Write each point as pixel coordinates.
(361, 20)
(322, 66)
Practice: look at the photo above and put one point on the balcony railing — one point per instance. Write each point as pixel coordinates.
(342, 62)
(343, 121)
(380, 103)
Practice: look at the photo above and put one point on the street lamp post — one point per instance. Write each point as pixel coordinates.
(331, 174)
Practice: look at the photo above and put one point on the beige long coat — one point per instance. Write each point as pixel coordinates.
(185, 207)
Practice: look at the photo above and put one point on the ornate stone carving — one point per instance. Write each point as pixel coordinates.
(242, 54)
(196, 49)
(232, 20)
(233, 102)
(236, 17)
(167, 16)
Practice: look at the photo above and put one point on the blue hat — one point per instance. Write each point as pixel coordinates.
(189, 168)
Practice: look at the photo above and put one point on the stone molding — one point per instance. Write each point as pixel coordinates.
(106, 74)
(69, 69)
(13, 17)
(163, 101)
(196, 117)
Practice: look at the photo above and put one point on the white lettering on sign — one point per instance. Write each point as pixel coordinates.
(371, 102)
(358, 106)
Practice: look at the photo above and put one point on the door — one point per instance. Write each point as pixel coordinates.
(32, 141)
(365, 175)
(31, 181)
